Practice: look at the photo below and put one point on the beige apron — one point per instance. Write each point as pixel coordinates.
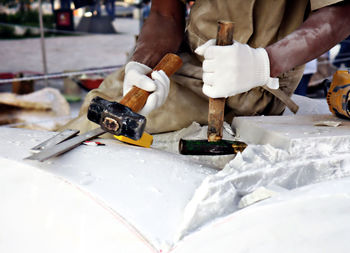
(258, 23)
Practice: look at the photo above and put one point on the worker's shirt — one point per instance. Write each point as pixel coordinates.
(258, 23)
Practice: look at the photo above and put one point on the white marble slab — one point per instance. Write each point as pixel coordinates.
(289, 132)
(147, 187)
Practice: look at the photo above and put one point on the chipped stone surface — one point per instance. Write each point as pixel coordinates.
(286, 131)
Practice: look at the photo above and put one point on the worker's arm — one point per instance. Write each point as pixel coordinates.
(319, 33)
(230, 70)
(162, 32)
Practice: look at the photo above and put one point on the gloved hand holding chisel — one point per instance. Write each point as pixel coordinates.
(234, 69)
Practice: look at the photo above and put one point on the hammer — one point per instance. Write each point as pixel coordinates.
(214, 145)
(122, 119)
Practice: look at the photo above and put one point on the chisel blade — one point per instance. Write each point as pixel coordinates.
(65, 146)
(58, 138)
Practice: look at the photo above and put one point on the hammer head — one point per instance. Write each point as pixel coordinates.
(116, 118)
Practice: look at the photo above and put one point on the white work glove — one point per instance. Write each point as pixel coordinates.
(136, 75)
(234, 69)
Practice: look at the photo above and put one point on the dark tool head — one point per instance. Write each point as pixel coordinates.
(116, 118)
(204, 147)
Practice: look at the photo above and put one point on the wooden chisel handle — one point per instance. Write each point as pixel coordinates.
(216, 112)
(136, 98)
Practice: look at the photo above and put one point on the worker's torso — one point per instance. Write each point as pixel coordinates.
(257, 22)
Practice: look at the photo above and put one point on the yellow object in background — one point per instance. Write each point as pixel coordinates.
(338, 94)
(145, 140)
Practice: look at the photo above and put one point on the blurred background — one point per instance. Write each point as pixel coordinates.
(53, 52)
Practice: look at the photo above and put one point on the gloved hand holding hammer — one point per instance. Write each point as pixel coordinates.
(158, 84)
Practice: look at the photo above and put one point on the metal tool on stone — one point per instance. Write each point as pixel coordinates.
(215, 145)
(119, 119)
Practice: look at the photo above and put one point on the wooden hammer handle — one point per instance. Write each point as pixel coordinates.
(136, 98)
(216, 112)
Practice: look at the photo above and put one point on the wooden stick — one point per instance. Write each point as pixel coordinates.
(136, 98)
(217, 105)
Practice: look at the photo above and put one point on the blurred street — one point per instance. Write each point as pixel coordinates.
(70, 52)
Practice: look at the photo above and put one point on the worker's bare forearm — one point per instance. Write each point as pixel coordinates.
(319, 33)
(162, 32)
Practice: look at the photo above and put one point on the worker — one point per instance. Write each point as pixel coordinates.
(257, 74)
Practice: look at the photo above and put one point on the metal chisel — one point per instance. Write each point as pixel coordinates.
(58, 138)
(66, 145)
